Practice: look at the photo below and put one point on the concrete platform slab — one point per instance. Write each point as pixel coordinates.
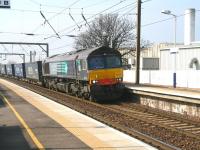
(94, 134)
(189, 96)
(15, 136)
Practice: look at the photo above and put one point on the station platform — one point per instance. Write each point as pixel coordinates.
(178, 94)
(31, 121)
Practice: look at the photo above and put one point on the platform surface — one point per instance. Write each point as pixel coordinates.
(56, 126)
(188, 95)
(15, 130)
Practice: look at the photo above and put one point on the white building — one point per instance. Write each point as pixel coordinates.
(186, 56)
(184, 60)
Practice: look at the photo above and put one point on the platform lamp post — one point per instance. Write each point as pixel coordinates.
(168, 12)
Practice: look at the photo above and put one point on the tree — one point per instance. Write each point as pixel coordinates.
(109, 30)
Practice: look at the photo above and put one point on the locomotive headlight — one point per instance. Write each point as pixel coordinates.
(119, 79)
(94, 81)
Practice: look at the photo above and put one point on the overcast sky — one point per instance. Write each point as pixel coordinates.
(24, 17)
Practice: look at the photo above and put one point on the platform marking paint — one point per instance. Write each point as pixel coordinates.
(94, 141)
(28, 129)
(89, 139)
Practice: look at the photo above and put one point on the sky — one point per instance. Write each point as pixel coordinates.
(24, 18)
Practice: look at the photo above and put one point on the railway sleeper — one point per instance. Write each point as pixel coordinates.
(171, 123)
(185, 127)
(193, 129)
(179, 125)
(196, 132)
(166, 121)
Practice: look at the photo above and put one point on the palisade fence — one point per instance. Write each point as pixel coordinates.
(185, 78)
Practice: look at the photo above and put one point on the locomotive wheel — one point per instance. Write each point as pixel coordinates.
(92, 99)
(79, 94)
(86, 96)
(47, 85)
(70, 89)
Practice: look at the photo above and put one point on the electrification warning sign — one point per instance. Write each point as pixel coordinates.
(4, 3)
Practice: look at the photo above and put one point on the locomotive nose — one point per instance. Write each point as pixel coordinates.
(106, 76)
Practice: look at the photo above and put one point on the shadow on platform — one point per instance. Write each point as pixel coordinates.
(2, 104)
(12, 138)
(4, 93)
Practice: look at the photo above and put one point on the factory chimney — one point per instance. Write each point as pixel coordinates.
(189, 31)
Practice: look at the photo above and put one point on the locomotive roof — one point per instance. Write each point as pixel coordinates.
(82, 54)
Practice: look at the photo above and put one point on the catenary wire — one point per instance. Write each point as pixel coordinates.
(56, 15)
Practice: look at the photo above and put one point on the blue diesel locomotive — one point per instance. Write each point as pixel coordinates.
(93, 73)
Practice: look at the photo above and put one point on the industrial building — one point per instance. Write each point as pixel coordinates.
(181, 56)
(161, 61)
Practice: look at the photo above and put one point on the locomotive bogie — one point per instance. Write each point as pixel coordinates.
(70, 86)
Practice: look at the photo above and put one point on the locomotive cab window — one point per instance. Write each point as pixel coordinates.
(96, 63)
(113, 62)
(101, 62)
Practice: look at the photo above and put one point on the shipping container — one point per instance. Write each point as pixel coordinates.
(3, 69)
(34, 71)
(10, 69)
(20, 70)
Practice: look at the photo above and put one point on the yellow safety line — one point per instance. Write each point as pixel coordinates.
(28, 129)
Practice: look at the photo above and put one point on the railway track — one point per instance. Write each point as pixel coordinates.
(156, 128)
(177, 124)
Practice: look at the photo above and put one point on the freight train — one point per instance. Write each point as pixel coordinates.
(94, 74)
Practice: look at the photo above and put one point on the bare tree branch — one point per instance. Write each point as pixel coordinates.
(118, 31)
(109, 30)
